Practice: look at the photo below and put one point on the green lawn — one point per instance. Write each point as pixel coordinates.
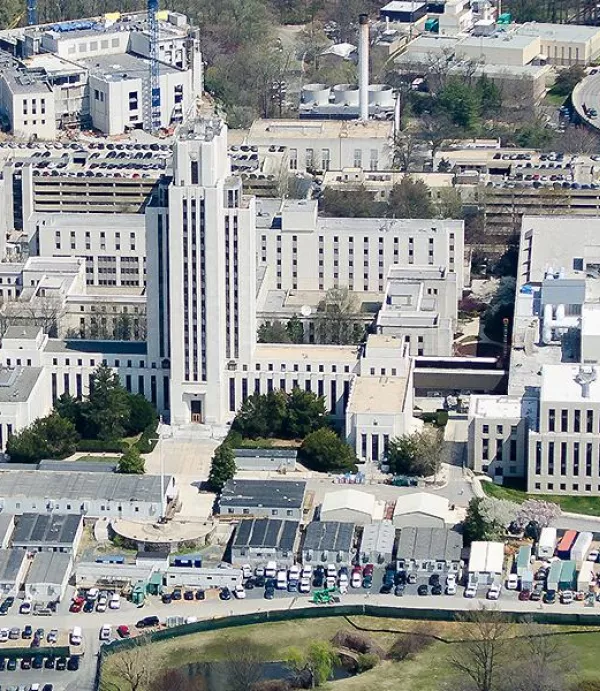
(589, 506)
(554, 99)
(98, 459)
(429, 671)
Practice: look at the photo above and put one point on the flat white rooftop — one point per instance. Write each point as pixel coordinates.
(294, 129)
(310, 353)
(566, 383)
(377, 395)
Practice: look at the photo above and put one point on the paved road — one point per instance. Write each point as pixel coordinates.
(588, 92)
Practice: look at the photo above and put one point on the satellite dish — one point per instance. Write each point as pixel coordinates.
(306, 310)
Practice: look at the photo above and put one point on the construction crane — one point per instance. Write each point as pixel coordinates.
(154, 65)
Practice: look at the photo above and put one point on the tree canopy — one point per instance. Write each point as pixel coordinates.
(131, 462)
(222, 467)
(280, 415)
(49, 437)
(324, 451)
(566, 80)
(417, 454)
(410, 199)
(501, 307)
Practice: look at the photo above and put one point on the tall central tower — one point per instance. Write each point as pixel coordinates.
(209, 256)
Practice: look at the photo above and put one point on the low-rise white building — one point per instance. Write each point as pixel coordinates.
(486, 563)
(351, 506)
(422, 510)
(48, 576)
(13, 567)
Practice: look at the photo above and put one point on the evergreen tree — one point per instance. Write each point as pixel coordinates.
(131, 462)
(222, 467)
(106, 411)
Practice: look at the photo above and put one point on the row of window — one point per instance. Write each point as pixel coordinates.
(558, 459)
(580, 421)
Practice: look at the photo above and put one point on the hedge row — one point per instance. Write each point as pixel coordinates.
(112, 446)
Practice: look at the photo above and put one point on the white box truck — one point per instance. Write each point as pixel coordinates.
(547, 543)
(581, 547)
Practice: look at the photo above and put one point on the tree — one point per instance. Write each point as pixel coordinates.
(273, 332)
(314, 665)
(501, 307)
(578, 140)
(417, 454)
(131, 667)
(48, 437)
(295, 330)
(131, 462)
(567, 80)
(262, 415)
(245, 661)
(404, 151)
(410, 199)
(481, 657)
(490, 98)
(488, 518)
(107, 410)
(142, 414)
(508, 262)
(354, 202)
(336, 318)
(460, 102)
(70, 409)
(222, 467)
(305, 413)
(324, 451)
(450, 203)
(534, 515)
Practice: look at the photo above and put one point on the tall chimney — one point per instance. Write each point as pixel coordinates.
(363, 66)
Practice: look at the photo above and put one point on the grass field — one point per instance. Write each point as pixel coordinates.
(589, 506)
(424, 673)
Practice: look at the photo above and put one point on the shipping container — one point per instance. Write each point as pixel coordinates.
(581, 547)
(585, 577)
(568, 574)
(523, 560)
(547, 543)
(554, 575)
(563, 549)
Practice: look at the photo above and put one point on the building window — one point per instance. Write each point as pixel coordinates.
(551, 420)
(564, 420)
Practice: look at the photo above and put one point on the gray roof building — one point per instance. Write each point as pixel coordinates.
(265, 533)
(328, 538)
(265, 459)
(17, 383)
(263, 498)
(429, 544)
(49, 567)
(55, 531)
(7, 526)
(11, 563)
(377, 542)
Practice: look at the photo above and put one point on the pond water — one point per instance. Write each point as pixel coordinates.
(217, 674)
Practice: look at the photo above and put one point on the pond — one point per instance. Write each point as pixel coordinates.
(217, 675)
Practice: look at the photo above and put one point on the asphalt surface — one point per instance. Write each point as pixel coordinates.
(214, 608)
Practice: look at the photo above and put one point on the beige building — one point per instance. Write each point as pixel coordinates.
(564, 44)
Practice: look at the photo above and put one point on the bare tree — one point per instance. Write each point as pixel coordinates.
(245, 660)
(480, 658)
(404, 150)
(131, 667)
(577, 140)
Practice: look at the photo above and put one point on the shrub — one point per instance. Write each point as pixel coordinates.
(112, 446)
(408, 645)
(149, 439)
(367, 661)
(357, 642)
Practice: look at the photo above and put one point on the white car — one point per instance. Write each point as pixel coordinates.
(101, 605)
(343, 581)
(593, 555)
(451, 588)
(512, 581)
(271, 569)
(331, 571)
(115, 601)
(356, 579)
(191, 620)
(304, 585)
(105, 632)
(3, 635)
(306, 572)
(566, 597)
(294, 573)
(25, 607)
(259, 571)
(76, 636)
(92, 594)
(330, 582)
(451, 579)
(239, 592)
(281, 581)
(246, 571)
(471, 590)
(494, 592)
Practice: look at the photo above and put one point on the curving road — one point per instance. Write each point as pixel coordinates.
(588, 92)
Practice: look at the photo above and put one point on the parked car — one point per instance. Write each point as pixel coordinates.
(451, 588)
(239, 592)
(52, 636)
(177, 594)
(471, 590)
(3, 635)
(566, 597)
(73, 663)
(494, 591)
(512, 581)
(27, 632)
(386, 588)
(147, 622)
(88, 606)
(105, 632)
(200, 594)
(436, 589)
(550, 597)
(269, 592)
(11, 665)
(188, 595)
(225, 594)
(367, 581)
(524, 595)
(61, 663)
(411, 578)
(368, 569)
(246, 571)
(115, 601)
(25, 607)
(356, 579)
(422, 589)
(304, 585)
(123, 631)
(167, 598)
(399, 590)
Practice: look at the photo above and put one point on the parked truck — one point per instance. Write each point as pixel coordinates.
(526, 580)
(568, 576)
(585, 577)
(581, 547)
(523, 560)
(546, 543)
(553, 578)
(563, 549)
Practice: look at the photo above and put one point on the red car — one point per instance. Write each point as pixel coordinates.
(524, 595)
(123, 631)
(77, 604)
(368, 570)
